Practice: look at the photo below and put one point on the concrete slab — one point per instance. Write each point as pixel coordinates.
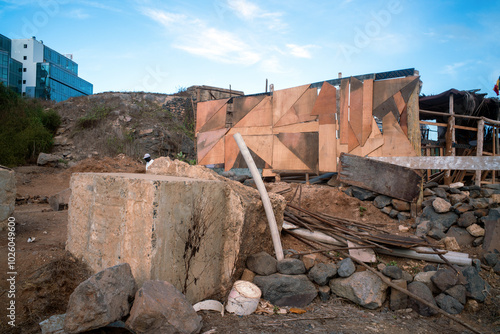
(193, 233)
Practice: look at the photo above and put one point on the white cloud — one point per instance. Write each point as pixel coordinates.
(250, 12)
(164, 18)
(300, 51)
(78, 14)
(452, 69)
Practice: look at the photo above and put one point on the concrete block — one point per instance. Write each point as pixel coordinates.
(193, 233)
(7, 195)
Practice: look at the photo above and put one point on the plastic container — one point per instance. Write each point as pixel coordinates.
(243, 298)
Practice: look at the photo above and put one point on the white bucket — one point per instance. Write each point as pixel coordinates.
(243, 298)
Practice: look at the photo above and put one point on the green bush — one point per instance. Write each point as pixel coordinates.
(26, 129)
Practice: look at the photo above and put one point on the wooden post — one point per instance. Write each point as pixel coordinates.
(450, 138)
(479, 148)
(414, 136)
(493, 172)
(307, 179)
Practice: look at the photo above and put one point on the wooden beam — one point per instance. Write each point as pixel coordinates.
(450, 138)
(458, 163)
(381, 177)
(437, 113)
(444, 125)
(413, 118)
(376, 76)
(479, 149)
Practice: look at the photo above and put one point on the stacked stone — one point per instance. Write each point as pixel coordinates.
(295, 282)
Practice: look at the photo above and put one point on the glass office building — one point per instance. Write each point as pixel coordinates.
(10, 69)
(46, 73)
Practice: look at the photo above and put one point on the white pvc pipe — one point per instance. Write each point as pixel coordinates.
(278, 249)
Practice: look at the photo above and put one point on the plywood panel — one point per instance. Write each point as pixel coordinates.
(396, 144)
(399, 101)
(407, 90)
(252, 131)
(243, 105)
(207, 140)
(326, 101)
(367, 117)
(284, 159)
(384, 89)
(262, 146)
(388, 106)
(344, 111)
(215, 155)
(218, 121)
(284, 99)
(260, 115)
(327, 119)
(206, 110)
(356, 110)
(403, 121)
(327, 148)
(299, 127)
(353, 141)
(231, 152)
(301, 110)
(304, 146)
(375, 141)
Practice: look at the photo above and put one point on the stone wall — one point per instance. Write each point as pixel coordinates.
(7, 195)
(190, 232)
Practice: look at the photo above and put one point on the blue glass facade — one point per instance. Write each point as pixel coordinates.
(10, 69)
(54, 57)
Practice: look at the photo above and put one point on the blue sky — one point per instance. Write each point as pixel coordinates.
(161, 46)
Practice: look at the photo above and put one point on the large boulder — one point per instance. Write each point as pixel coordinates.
(101, 299)
(178, 223)
(363, 288)
(477, 288)
(7, 195)
(45, 158)
(160, 308)
(421, 290)
(286, 290)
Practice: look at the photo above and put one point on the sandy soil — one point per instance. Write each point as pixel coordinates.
(47, 274)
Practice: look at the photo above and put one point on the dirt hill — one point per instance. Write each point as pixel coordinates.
(111, 123)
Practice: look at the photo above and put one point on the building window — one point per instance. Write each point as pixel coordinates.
(19, 82)
(25, 46)
(24, 69)
(24, 82)
(24, 93)
(25, 57)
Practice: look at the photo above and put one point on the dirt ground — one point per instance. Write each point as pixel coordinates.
(47, 274)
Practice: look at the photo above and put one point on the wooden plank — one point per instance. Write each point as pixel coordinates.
(252, 131)
(284, 159)
(395, 141)
(207, 140)
(403, 121)
(327, 147)
(262, 146)
(352, 140)
(367, 118)
(231, 152)
(385, 89)
(410, 88)
(479, 150)
(400, 102)
(243, 105)
(218, 121)
(206, 110)
(327, 119)
(375, 141)
(260, 115)
(304, 145)
(301, 109)
(300, 127)
(344, 112)
(444, 125)
(445, 162)
(381, 177)
(284, 99)
(326, 101)
(388, 106)
(356, 111)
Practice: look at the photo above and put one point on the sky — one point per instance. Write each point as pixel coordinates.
(166, 46)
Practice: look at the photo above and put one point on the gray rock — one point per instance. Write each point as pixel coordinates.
(478, 241)
(467, 219)
(324, 293)
(387, 210)
(458, 292)
(431, 185)
(454, 191)
(44, 158)
(346, 267)
(437, 232)
(101, 299)
(291, 266)
(160, 308)
(445, 219)
(462, 207)
(393, 272)
(60, 201)
(363, 288)
(485, 192)
(457, 198)
(444, 279)
(407, 277)
(394, 213)
(496, 268)
(400, 205)
(440, 192)
(449, 304)
(441, 206)
(363, 194)
(477, 288)
(428, 201)
(428, 192)
(322, 273)
(477, 264)
(286, 290)
(491, 259)
(461, 235)
(430, 267)
(53, 325)
(403, 216)
(425, 277)
(422, 291)
(423, 228)
(262, 263)
(398, 300)
(495, 186)
(479, 203)
(474, 193)
(381, 201)
(348, 191)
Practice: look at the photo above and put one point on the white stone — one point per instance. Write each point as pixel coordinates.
(440, 205)
(475, 230)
